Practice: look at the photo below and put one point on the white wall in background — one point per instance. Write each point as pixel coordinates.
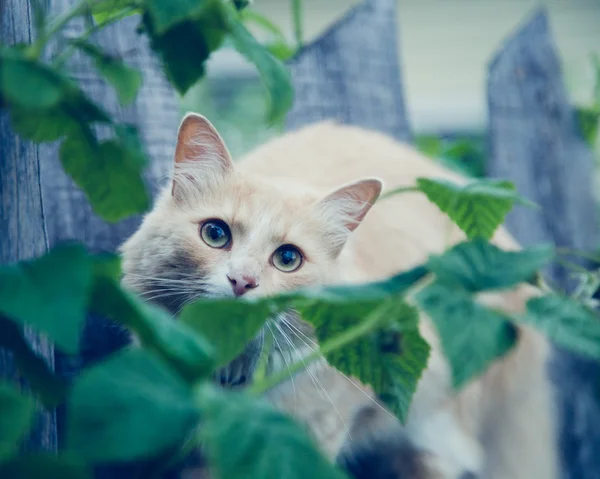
(447, 44)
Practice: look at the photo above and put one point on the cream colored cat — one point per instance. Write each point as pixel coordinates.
(284, 217)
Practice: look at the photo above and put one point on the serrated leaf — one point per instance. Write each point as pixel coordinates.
(49, 293)
(190, 355)
(43, 466)
(390, 355)
(274, 74)
(125, 80)
(186, 45)
(49, 387)
(130, 406)
(471, 335)
(478, 208)
(566, 322)
(404, 355)
(29, 83)
(478, 265)
(108, 172)
(16, 414)
(229, 325)
(245, 437)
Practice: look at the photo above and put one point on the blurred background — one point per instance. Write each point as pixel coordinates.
(445, 47)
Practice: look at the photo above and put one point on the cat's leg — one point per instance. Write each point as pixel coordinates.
(518, 429)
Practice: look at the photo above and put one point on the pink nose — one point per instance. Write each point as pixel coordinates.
(241, 283)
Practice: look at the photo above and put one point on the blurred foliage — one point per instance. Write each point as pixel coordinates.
(589, 116)
(45, 104)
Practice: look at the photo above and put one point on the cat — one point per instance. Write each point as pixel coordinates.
(301, 210)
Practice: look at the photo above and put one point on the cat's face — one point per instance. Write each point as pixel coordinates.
(218, 232)
(221, 233)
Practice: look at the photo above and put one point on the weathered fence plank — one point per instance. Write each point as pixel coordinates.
(22, 228)
(352, 73)
(534, 141)
(155, 113)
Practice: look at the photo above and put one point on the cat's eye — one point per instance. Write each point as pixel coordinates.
(287, 258)
(215, 233)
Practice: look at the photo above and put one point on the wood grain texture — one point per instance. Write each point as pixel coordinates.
(534, 141)
(155, 113)
(352, 74)
(22, 228)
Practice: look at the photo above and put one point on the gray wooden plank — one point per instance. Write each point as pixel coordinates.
(155, 113)
(352, 73)
(534, 141)
(22, 227)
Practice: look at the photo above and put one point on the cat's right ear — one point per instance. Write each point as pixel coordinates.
(201, 156)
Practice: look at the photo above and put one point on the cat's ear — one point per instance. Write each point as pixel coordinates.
(347, 206)
(201, 153)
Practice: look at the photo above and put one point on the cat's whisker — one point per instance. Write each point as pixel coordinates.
(137, 277)
(316, 380)
(277, 345)
(294, 329)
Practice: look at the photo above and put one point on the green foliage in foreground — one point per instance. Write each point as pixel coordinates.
(148, 401)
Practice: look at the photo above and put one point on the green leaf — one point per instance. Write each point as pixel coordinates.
(29, 83)
(124, 79)
(589, 120)
(478, 265)
(246, 437)
(43, 466)
(277, 44)
(16, 414)
(403, 356)
(110, 173)
(390, 356)
(50, 388)
(477, 208)
(42, 125)
(107, 11)
(130, 406)
(186, 45)
(190, 355)
(396, 285)
(472, 336)
(274, 74)
(566, 322)
(229, 325)
(49, 293)
(165, 13)
(50, 124)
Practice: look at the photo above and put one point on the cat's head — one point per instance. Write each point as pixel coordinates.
(216, 231)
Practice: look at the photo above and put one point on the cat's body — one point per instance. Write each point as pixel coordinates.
(500, 426)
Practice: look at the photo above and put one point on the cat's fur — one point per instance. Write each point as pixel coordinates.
(499, 426)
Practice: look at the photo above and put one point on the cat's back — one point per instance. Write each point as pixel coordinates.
(400, 231)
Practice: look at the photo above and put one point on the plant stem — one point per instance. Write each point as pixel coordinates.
(297, 19)
(58, 24)
(338, 342)
(397, 191)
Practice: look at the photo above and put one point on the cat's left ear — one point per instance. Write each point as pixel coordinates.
(201, 157)
(347, 206)
(199, 141)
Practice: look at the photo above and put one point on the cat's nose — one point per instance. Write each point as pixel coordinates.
(242, 283)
